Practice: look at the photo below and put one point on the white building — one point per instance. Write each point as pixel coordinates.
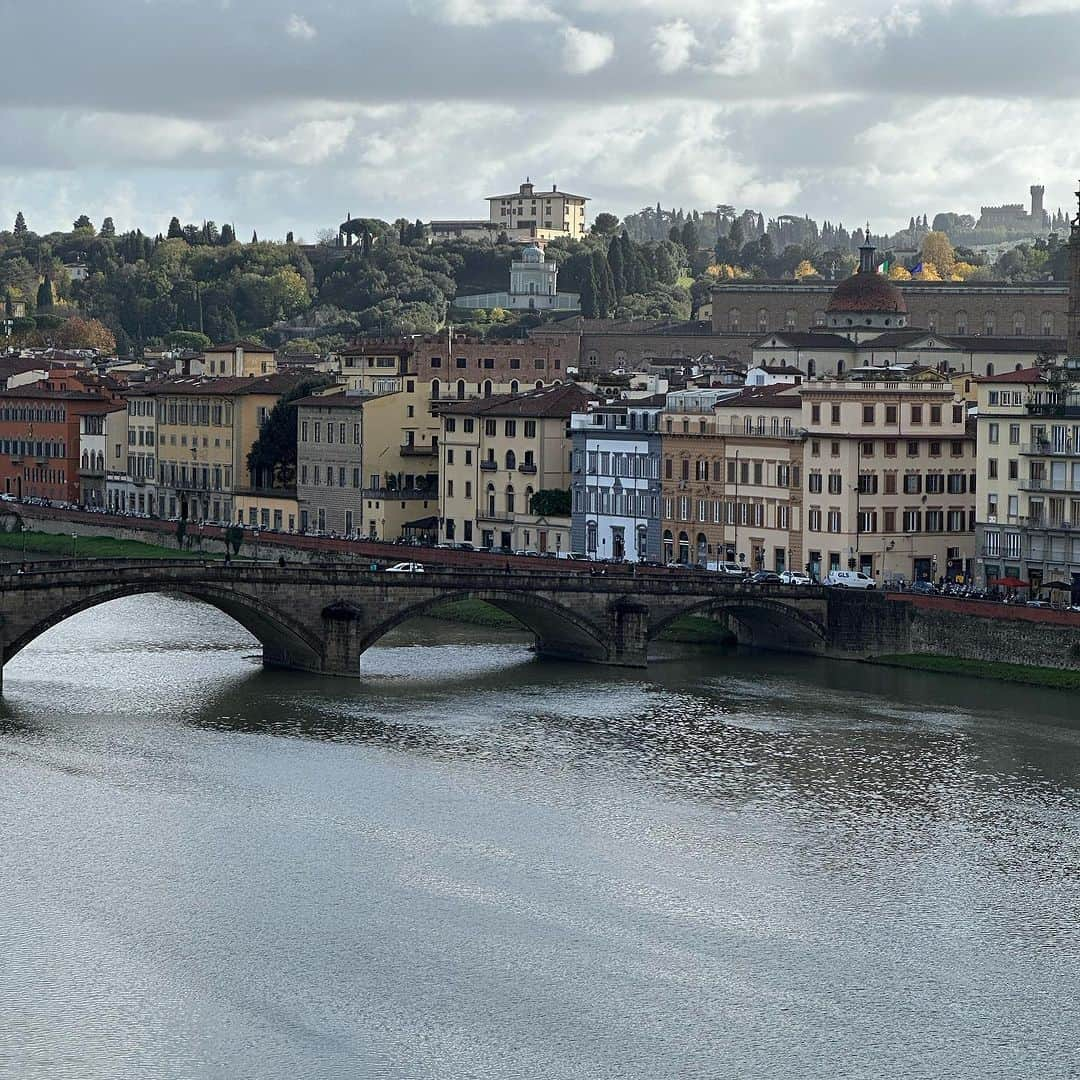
(533, 287)
(615, 509)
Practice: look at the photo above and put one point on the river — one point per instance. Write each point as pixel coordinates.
(475, 864)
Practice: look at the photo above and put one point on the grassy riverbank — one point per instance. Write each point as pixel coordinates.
(691, 629)
(1056, 678)
(61, 546)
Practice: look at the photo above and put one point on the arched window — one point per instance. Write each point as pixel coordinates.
(515, 386)
(487, 388)
(509, 498)
(988, 322)
(528, 500)
(642, 542)
(839, 367)
(1019, 323)
(511, 459)
(669, 546)
(790, 318)
(491, 500)
(819, 317)
(961, 322)
(733, 319)
(1047, 323)
(461, 389)
(434, 389)
(684, 548)
(989, 369)
(592, 359)
(811, 368)
(539, 384)
(590, 538)
(702, 549)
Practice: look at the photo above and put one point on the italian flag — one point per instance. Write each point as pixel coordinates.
(883, 267)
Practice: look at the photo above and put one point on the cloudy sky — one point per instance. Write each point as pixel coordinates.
(287, 114)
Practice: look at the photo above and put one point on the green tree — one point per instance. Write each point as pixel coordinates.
(228, 235)
(108, 229)
(189, 340)
(45, 297)
(589, 289)
(176, 231)
(605, 285)
(616, 265)
(688, 237)
(20, 224)
(550, 502)
(605, 224)
(83, 224)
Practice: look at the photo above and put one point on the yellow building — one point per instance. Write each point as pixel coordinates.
(205, 430)
(275, 511)
(495, 454)
(238, 358)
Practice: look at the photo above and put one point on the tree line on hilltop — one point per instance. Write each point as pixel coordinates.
(197, 284)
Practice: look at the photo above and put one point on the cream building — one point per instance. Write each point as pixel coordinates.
(495, 454)
(542, 215)
(890, 476)
(237, 359)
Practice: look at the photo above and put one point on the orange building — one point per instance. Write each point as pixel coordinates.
(39, 435)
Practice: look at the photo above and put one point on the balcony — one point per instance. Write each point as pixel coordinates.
(416, 450)
(1065, 486)
(527, 469)
(1046, 449)
(488, 466)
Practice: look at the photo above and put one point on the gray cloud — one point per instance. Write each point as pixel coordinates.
(287, 113)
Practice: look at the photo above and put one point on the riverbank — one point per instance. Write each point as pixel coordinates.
(1023, 674)
(13, 544)
(689, 630)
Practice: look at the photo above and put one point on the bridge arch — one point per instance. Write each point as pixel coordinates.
(285, 642)
(762, 621)
(559, 631)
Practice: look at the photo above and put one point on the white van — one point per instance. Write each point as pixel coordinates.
(850, 579)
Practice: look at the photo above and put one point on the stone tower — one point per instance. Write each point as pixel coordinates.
(1074, 286)
(1038, 214)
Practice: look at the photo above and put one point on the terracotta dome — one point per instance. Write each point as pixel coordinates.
(867, 292)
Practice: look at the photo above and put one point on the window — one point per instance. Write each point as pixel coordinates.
(815, 414)
(836, 483)
(912, 448)
(834, 521)
(813, 483)
(451, 423)
(890, 483)
(813, 519)
(992, 433)
(1014, 434)
(916, 414)
(890, 414)
(530, 429)
(912, 484)
(834, 414)
(912, 521)
(890, 449)
(868, 414)
(510, 429)
(935, 414)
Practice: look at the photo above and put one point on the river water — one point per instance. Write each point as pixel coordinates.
(475, 864)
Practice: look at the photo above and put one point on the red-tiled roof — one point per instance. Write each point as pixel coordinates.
(866, 292)
(1024, 375)
(553, 401)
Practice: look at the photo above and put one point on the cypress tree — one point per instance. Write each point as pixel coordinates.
(615, 265)
(45, 294)
(588, 293)
(108, 228)
(20, 224)
(176, 232)
(605, 286)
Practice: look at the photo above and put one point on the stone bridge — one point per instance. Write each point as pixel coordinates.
(322, 618)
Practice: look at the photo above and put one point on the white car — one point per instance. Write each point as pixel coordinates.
(796, 577)
(406, 568)
(732, 568)
(850, 579)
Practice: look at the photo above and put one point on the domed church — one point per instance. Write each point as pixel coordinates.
(867, 300)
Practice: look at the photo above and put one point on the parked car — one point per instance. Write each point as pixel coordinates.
(796, 577)
(925, 588)
(850, 579)
(406, 568)
(733, 568)
(764, 577)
